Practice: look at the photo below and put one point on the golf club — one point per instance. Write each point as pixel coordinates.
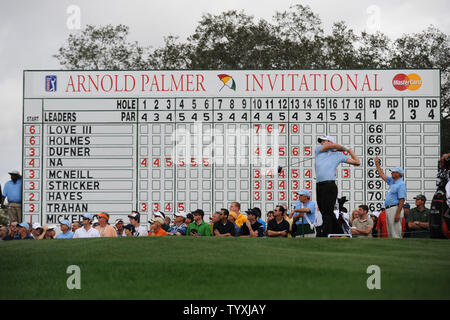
(280, 168)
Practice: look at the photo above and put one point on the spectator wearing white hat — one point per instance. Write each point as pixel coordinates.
(36, 230)
(13, 193)
(374, 216)
(86, 231)
(23, 234)
(327, 158)
(156, 229)
(162, 215)
(95, 222)
(135, 218)
(105, 229)
(395, 199)
(178, 227)
(65, 230)
(48, 233)
(120, 230)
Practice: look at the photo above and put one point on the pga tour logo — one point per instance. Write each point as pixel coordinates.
(50, 83)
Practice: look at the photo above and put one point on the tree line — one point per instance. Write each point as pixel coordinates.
(294, 39)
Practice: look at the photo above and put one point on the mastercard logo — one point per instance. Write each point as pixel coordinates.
(411, 81)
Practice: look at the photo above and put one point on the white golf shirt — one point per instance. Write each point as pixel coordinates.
(82, 233)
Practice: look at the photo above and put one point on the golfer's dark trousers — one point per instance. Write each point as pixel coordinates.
(327, 192)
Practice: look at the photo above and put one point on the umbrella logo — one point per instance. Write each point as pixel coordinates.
(227, 81)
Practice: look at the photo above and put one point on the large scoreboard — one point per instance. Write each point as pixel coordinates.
(117, 141)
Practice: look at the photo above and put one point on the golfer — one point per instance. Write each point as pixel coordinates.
(328, 155)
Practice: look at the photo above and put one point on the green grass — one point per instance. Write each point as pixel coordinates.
(217, 268)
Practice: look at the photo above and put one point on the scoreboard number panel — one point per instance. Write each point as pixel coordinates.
(117, 141)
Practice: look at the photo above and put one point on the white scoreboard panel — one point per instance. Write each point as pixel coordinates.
(117, 141)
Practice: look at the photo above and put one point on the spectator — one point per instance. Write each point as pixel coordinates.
(405, 228)
(135, 218)
(260, 220)
(178, 227)
(306, 209)
(278, 226)
(269, 216)
(232, 218)
(86, 231)
(76, 225)
(395, 199)
(318, 224)
(252, 227)
(374, 216)
(129, 230)
(105, 229)
(418, 219)
(23, 232)
(3, 233)
(189, 219)
(240, 218)
(12, 231)
(382, 225)
(65, 230)
(119, 228)
(354, 216)
(95, 222)
(215, 218)
(37, 230)
(224, 228)
(362, 227)
(166, 224)
(288, 219)
(13, 193)
(198, 227)
(48, 233)
(156, 229)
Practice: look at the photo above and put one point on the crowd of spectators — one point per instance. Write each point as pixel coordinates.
(301, 221)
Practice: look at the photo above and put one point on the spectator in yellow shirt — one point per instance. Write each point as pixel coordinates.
(240, 219)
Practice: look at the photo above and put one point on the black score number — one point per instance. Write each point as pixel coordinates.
(371, 162)
(378, 128)
(374, 184)
(307, 103)
(375, 195)
(374, 206)
(231, 105)
(373, 174)
(374, 151)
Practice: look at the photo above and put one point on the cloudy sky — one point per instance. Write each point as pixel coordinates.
(32, 31)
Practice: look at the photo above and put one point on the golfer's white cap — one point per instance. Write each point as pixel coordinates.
(329, 138)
